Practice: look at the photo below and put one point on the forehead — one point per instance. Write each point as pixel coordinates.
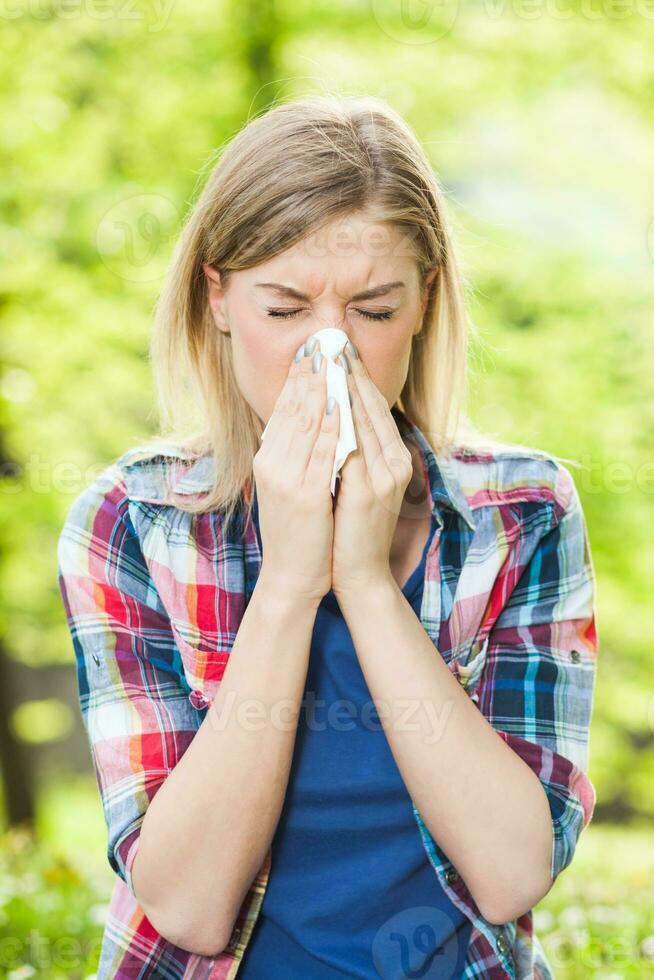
(350, 253)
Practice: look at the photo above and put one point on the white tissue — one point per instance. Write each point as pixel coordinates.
(332, 341)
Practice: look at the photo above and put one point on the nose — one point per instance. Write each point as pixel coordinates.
(329, 345)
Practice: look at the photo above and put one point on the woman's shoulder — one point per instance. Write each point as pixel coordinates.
(505, 474)
(152, 471)
(122, 492)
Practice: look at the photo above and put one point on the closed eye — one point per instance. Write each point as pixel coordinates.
(369, 315)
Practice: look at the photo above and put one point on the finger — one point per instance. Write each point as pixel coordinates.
(298, 438)
(370, 450)
(321, 463)
(282, 404)
(287, 408)
(376, 417)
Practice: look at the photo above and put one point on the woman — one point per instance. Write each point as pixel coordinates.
(217, 594)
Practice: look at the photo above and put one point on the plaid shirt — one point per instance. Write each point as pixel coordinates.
(154, 597)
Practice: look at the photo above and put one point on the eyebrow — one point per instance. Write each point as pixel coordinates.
(382, 290)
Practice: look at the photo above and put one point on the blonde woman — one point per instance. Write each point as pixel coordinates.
(334, 735)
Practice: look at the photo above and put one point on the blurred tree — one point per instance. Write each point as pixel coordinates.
(15, 761)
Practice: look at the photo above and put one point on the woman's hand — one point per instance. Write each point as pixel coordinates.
(374, 479)
(292, 470)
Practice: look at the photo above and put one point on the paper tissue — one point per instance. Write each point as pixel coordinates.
(332, 341)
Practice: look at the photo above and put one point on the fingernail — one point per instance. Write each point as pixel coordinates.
(351, 349)
(299, 353)
(343, 361)
(316, 361)
(331, 405)
(309, 346)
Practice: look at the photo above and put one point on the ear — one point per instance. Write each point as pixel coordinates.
(216, 297)
(426, 289)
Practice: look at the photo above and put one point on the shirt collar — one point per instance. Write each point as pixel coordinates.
(445, 487)
(198, 475)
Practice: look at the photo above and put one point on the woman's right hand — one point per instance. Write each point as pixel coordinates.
(292, 470)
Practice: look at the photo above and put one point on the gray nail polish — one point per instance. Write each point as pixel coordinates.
(316, 361)
(351, 349)
(331, 405)
(310, 345)
(299, 353)
(343, 361)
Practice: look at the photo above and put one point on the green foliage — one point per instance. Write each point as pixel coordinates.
(51, 912)
(598, 919)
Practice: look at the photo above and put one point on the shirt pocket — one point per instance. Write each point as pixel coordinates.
(203, 665)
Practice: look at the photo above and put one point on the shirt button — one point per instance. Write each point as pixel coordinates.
(575, 656)
(197, 699)
(501, 944)
(451, 875)
(95, 657)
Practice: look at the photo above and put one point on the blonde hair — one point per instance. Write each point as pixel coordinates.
(285, 174)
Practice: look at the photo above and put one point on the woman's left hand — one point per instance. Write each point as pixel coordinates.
(373, 482)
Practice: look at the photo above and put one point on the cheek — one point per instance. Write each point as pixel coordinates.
(261, 364)
(387, 358)
(265, 358)
(252, 351)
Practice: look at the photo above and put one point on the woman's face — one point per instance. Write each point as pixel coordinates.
(323, 281)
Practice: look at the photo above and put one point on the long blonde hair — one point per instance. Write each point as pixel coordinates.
(286, 173)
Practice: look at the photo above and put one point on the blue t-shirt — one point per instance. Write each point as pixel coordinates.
(351, 891)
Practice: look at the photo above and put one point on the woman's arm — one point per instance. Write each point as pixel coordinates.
(506, 811)
(195, 800)
(480, 801)
(207, 831)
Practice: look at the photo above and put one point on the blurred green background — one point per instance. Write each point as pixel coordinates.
(539, 119)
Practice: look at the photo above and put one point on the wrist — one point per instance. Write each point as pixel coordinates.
(371, 591)
(278, 596)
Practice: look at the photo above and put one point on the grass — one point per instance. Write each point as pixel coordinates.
(597, 921)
